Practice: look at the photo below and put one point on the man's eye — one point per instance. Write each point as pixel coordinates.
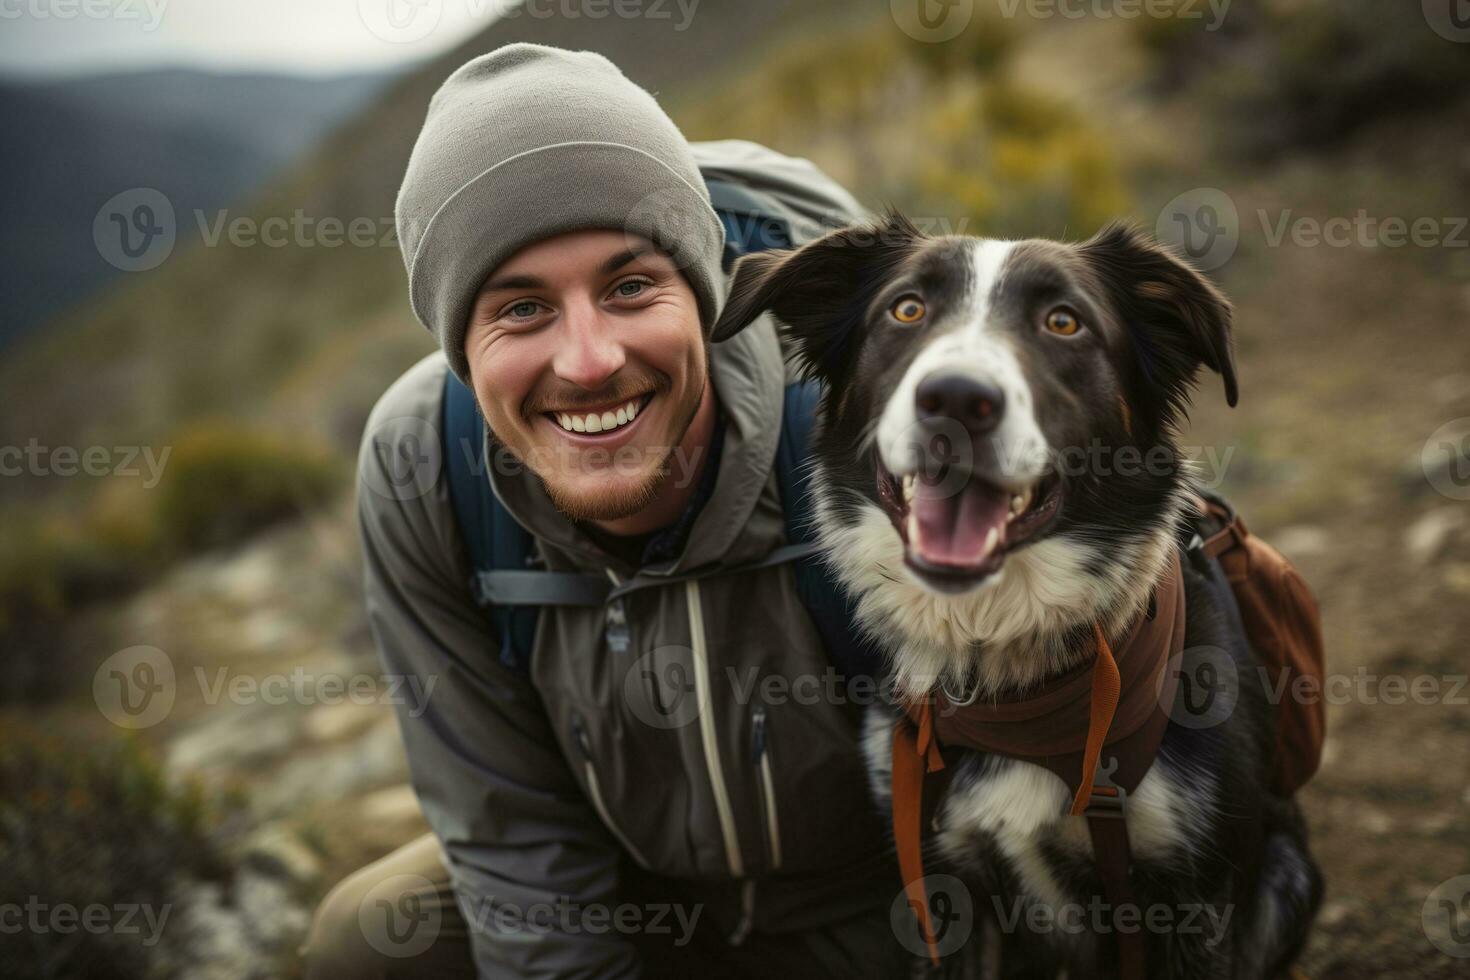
(631, 288)
(524, 309)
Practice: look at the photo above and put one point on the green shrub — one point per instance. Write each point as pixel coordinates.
(223, 484)
(937, 127)
(1306, 73)
(100, 826)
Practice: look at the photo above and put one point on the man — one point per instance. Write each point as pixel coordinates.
(562, 247)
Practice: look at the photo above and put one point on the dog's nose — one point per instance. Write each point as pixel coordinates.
(976, 405)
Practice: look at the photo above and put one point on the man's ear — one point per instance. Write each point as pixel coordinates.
(1178, 319)
(819, 291)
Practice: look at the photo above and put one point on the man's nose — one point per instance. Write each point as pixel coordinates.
(977, 405)
(588, 351)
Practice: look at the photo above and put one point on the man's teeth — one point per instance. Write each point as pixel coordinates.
(599, 421)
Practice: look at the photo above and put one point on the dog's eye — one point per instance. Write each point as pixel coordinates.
(909, 309)
(1063, 321)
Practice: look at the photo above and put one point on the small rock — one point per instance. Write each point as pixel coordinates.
(1428, 536)
(275, 920)
(1301, 541)
(395, 804)
(274, 850)
(333, 722)
(1374, 820)
(370, 761)
(230, 734)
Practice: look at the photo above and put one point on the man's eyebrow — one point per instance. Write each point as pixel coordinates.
(512, 282)
(620, 259)
(613, 264)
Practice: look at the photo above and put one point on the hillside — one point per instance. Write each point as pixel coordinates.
(203, 140)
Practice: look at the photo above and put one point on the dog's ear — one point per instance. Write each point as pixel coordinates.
(819, 291)
(1178, 319)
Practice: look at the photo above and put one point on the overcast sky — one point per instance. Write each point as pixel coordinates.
(296, 36)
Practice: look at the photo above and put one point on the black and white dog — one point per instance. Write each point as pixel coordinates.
(1006, 359)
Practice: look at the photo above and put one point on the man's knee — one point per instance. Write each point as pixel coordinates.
(390, 918)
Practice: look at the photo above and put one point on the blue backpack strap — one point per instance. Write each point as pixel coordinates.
(748, 226)
(831, 607)
(491, 536)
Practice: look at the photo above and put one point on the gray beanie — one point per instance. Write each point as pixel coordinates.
(527, 142)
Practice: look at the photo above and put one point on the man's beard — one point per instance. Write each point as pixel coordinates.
(613, 505)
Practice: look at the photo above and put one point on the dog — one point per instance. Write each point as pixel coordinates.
(981, 401)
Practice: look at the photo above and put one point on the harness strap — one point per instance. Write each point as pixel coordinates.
(1106, 685)
(1114, 859)
(915, 755)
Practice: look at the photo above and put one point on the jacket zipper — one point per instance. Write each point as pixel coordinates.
(716, 769)
(761, 752)
(707, 732)
(594, 790)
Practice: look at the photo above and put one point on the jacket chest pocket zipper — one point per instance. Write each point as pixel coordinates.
(761, 753)
(594, 790)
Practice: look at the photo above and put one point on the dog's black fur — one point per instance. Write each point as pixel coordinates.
(1095, 537)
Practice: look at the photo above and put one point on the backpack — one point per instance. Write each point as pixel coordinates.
(1280, 617)
(507, 582)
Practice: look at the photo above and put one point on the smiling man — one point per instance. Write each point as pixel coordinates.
(664, 783)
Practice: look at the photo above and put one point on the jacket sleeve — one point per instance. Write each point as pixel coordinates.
(522, 842)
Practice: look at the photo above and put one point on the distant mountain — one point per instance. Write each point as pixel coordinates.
(202, 140)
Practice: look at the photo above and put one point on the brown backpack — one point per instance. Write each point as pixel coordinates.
(1280, 617)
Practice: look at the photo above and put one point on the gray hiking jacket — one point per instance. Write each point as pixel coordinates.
(706, 752)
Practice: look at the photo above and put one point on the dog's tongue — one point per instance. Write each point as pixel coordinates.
(958, 527)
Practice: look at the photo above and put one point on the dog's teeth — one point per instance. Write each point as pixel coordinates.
(908, 489)
(990, 540)
(913, 528)
(1019, 503)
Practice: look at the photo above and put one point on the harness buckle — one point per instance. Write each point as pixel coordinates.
(1108, 798)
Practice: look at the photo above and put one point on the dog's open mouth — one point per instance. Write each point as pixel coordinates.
(957, 528)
